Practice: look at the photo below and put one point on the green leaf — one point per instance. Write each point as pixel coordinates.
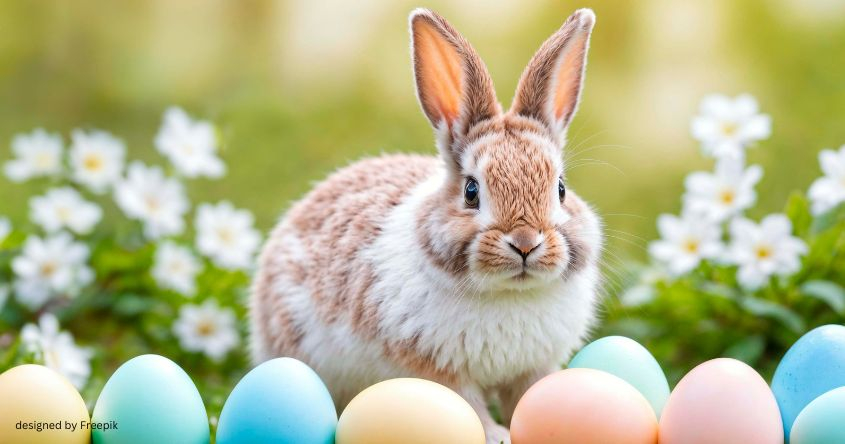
(798, 211)
(722, 290)
(747, 350)
(132, 304)
(762, 307)
(825, 221)
(831, 293)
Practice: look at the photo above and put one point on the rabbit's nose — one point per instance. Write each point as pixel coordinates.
(524, 240)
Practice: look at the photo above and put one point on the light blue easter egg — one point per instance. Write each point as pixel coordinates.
(150, 399)
(821, 422)
(627, 359)
(281, 401)
(814, 365)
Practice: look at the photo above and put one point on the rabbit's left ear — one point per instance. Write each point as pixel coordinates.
(550, 86)
(453, 85)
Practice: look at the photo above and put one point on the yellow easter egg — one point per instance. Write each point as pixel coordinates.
(38, 405)
(409, 411)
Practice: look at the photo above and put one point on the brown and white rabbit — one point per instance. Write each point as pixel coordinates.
(477, 269)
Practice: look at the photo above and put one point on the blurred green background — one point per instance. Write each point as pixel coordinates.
(299, 88)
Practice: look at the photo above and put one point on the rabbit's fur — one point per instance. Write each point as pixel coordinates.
(387, 269)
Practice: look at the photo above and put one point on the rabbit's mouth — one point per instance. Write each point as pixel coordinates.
(522, 275)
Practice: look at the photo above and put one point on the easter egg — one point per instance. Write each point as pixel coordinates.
(150, 399)
(585, 406)
(718, 402)
(281, 401)
(627, 359)
(821, 422)
(38, 405)
(814, 365)
(409, 411)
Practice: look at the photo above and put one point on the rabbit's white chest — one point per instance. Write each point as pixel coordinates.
(488, 338)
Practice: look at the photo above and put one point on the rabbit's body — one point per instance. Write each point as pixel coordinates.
(346, 286)
(477, 269)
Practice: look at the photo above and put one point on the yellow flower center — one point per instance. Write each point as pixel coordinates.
(729, 128)
(691, 246)
(92, 162)
(44, 160)
(206, 328)
(63, 213)
(177, 267)
(763, 252)
(226, 236)
(48, 268)
(727, 197)
(153, 204)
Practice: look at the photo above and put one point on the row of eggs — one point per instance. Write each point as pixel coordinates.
(613, 391)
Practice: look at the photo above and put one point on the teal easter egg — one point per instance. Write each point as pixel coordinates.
(814, 365)
(821, 422)
(627, 359)
(281, 401)
(150, 399)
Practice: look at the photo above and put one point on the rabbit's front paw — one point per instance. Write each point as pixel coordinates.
(498, 435)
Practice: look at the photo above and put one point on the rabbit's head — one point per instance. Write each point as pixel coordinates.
(503, 218)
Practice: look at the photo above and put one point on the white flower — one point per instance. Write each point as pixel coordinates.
(97, 159)
(5, 228)
(828, 191)
(764, 250)
(206, 328)
(64, 208)
(727, 126)
(226, 235)
(38, 154)
(176, 268)
(722, 194)
(685, 242)
(156, 200)
(46, 267)
(190, 145)
(58, 350)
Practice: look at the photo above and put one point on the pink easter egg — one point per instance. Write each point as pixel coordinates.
(584, 406)
(721, 401)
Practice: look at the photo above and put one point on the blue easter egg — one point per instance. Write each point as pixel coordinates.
(821, 421)
(150, 399)
(281, 401)
(627, 359)
(814, 365)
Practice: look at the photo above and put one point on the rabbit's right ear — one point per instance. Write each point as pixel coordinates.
(550, 86)
(453, 85)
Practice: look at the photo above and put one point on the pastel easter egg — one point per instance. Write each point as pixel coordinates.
(150, 399)
(585, 406)
(721, 401)
(281, 401)
(38, 405)
(821, 422)
(627, 359)
(409, 411)
(814, 365)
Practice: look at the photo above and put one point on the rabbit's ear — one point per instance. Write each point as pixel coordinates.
(550, 86)
(453, 85)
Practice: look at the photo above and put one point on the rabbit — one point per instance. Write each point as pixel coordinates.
(477, 269)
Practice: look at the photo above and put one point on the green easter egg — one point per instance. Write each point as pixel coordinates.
(150, 399)
(627, 359)
(821, 421)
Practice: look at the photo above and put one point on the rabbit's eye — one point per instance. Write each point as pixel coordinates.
(471, 193)
(561, 190)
